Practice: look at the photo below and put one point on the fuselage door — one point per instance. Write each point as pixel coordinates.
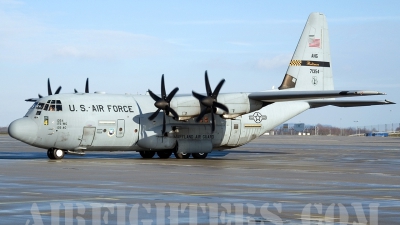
(87, 136)
(120, 128)
(235, 133)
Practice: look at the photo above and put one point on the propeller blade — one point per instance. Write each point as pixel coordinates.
(163, 94)
(75, 90)
(198, 96)
(218, 88)
(174, 113)
(172, 94)
(221, 106)
(166, 110)
(58, 90)
(204, 112)
(154, 114)
(212, 123)
(87, 86)
(40, 96)
(163, 126)
(208, 88)
(154, 96)
(49, 87)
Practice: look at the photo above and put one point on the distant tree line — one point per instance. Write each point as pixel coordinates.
(3, 130)
(320, 129)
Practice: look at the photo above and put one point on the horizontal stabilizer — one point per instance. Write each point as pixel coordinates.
(347, 103)
(279, 96)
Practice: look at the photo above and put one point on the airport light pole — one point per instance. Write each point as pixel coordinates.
(356, 121)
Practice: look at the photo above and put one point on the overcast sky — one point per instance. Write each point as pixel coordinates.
(125, 47)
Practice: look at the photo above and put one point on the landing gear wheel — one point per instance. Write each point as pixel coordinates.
(182, 155)
(164, 154)
(58, 153)
(54, 153)
(199, 155)
(147, 154)
(50, 153)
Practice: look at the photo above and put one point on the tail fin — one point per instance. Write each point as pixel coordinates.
(310, 67)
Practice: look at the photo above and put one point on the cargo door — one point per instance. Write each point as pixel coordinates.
(87, 136)
(235, 133)
(120, 128)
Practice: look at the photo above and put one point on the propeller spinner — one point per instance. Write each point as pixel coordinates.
(163, 103)
(210, 101)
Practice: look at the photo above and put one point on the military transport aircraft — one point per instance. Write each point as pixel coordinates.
(189, 125)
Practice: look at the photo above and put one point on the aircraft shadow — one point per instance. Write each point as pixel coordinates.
(217, 155)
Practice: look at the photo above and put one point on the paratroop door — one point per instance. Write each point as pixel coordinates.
(87, 136)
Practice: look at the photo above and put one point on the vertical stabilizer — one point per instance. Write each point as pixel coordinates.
(310, 67)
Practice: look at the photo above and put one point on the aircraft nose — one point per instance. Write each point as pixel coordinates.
(24, 129)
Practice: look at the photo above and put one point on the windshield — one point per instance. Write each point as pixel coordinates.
(50, 105)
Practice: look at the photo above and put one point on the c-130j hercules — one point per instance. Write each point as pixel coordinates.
(189, 125)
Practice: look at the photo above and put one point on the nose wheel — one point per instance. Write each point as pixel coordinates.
(54, 153)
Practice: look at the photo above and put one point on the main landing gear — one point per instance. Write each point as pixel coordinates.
(147, 154)
(200, 155)
(165, 154)
(54, 153)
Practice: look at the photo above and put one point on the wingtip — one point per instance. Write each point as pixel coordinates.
(389, 102)
(369, 93)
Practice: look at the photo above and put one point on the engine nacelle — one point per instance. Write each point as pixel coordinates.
(238, 104)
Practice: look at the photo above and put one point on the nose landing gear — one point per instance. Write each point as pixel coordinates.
(54, 153)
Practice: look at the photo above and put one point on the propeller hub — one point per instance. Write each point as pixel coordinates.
(207, 101)
(161, 104)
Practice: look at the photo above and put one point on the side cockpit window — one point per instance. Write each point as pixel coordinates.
(40, 105)
(39, 108)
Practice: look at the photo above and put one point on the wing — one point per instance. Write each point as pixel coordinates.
(347, 103)
(279, 96)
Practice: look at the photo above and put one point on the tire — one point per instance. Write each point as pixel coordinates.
(50, 153)
(199, 155)
(147, 154)
(182, 155)
(58, 153)
(164, 154)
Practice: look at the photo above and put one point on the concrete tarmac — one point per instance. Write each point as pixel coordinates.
(272, 180)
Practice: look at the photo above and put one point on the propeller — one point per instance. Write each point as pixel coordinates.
(210, 101)
(86, 86)
(49, 92)
(163, 103)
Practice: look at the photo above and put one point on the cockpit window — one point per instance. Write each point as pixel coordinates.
(40, 106)
(53, 105)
